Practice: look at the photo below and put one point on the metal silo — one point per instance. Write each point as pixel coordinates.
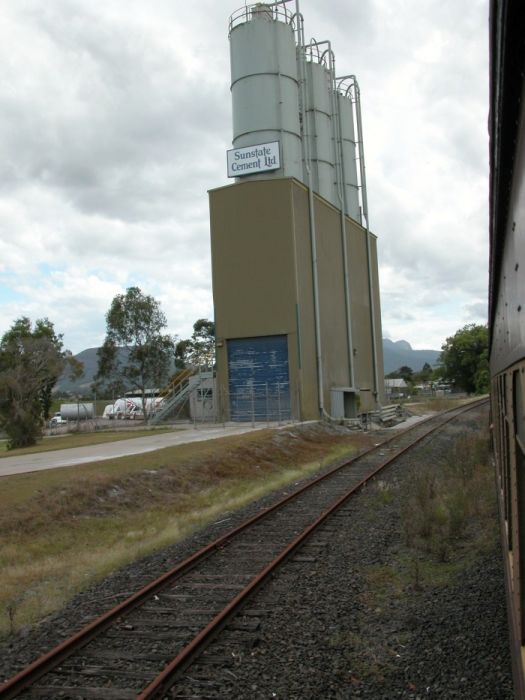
(264, 84)
(319, 128)
(349, 155)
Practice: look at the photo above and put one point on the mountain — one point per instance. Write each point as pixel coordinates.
(396, 354)
(400, 354)
(90, 361)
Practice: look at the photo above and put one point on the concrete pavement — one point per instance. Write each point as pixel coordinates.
(110, 450)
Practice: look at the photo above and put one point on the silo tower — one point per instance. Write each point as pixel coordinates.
(294, 267)
(265, 90)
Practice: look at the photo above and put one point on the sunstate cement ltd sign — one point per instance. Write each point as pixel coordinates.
(253, 159)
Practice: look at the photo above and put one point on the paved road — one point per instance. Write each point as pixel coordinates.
(110, 450)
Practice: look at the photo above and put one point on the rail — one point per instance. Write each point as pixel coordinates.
(240, 554)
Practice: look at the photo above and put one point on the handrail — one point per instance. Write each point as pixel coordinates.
(173, 400)
(275, 11)
(178, 379)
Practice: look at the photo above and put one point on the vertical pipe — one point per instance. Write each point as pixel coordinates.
(339, 170)
(359, 126)
(313, 242)
(338, 162)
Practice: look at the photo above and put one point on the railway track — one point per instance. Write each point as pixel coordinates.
(138, 649)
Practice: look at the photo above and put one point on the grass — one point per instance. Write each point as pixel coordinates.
(448, 518)
(67, 440)
(444, 505)
(61, 530)
(447, 522)
(431, 404)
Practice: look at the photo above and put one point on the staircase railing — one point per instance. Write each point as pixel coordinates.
(174, 394)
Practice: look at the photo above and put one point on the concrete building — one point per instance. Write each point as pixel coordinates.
(295, 284)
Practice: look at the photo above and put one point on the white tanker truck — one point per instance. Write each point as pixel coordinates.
(130, 408)
(73, 411)
(77, 411)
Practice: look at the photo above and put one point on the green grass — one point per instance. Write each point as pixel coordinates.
(61, 530)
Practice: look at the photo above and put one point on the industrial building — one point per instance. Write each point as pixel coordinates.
(295, 282)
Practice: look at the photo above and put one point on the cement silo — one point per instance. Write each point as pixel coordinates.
(265, 91)
(294, 270)
(319, 125)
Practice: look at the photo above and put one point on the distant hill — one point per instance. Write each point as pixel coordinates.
(83, 385)
(399, 353)
(89, 360)
(396, 354)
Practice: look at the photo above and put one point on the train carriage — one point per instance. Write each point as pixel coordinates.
(507, 302)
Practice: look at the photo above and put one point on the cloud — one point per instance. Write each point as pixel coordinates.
(114, 124)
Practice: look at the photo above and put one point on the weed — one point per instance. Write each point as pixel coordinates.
(441, 503)
(431, 405)
(417, 575)
(61, 530)
(384, 491)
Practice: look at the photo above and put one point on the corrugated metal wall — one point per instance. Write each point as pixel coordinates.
(259, 383)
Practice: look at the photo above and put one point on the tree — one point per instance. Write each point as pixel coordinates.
(464, 358)
(135, 351)
(31, 361)
(199, 350)
(403, 372)
(426, 372)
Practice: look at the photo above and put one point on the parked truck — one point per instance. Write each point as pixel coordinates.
(57, 420)
(130, 407)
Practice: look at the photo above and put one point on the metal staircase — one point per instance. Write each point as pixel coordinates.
(175, 394)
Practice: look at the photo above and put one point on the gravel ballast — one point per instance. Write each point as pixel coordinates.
(336, 622)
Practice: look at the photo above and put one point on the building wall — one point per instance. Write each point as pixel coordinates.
(332, 303)
(305, 303)
(253, 267)
(263, 285)
(361, 313)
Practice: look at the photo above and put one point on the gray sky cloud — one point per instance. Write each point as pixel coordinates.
(115, 120)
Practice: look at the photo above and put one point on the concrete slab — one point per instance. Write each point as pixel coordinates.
(110, 450)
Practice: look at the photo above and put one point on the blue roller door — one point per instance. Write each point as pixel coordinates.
(259, 382)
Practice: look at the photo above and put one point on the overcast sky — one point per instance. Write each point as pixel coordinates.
(115, 118)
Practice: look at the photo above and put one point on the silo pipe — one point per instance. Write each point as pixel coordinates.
(313, 235)
(328, 57)
(339, 166)
(359, 125)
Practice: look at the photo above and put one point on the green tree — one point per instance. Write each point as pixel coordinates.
(403, 372)
(199, 350)
(425, 374)
(464, 359)
(31, 360)
(135, 350)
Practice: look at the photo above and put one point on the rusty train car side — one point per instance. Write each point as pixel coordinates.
(507, 301)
